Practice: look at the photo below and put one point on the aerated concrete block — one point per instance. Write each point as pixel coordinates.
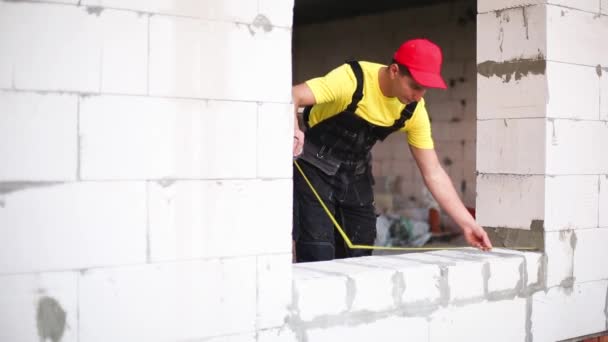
(497, 89)
(563, 313)
(415, 282)
(274, 290)
(591, 254)
(559, 248)
(462, 280)
(510, 201)
(565, 44)
(518, 34)
(35, 307)
(511, 146)
(73, 48)
(64, 47)
(181, 230)
(503, 321)
(367, 288)
(566, 101)
(50, 227)
(387, 329)
(148, 140)
(318, 294)
(169, 301)
(204, 51)
(501, 271)
(38, 137)
(571, 202)
(575, 147)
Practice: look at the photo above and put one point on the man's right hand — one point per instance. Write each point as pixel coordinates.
(298, 141)
(302, 96)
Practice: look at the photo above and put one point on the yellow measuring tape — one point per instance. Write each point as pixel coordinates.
(353, 246)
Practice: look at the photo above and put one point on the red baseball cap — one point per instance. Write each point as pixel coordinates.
(423, 60)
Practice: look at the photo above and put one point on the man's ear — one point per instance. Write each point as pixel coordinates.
(393, 70)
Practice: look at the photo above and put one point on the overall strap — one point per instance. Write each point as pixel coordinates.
(357, 94)
(406, 114)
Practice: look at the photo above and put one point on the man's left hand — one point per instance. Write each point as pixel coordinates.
(477, 237)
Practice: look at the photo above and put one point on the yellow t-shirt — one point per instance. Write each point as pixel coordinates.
(334, 91)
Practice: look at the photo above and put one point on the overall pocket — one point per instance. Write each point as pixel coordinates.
(316, 156)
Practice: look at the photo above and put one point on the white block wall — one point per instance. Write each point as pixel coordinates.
(541, 129)
(552, 129)
(146, 193)
(505, 297)
(318, 48)
(447, 295)
(145, 183)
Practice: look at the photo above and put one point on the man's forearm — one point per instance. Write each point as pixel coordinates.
(445, 194)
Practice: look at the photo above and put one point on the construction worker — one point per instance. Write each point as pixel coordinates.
(346, 112)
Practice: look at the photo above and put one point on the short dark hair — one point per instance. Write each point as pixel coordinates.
(403, 70)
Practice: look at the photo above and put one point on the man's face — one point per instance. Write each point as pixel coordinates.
(408, 89)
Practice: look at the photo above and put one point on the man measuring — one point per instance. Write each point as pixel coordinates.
(346, 112)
